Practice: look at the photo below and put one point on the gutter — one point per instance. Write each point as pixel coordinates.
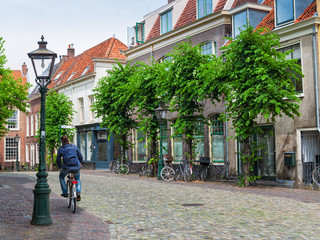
(315, 63)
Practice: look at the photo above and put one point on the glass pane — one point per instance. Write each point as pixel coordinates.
(217, 147)
(164, 146)
(209, 6)
(200, 8)
(169, 19)
(296, 51)
(206, 49)
(142, 149)
(177, 149)
(163, 23)
(82, 144)
(284, 10)
(89, 146)
(239, 20)
(199, 149)
(102, 146)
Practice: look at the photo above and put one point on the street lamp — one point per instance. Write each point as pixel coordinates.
(161, 114)
(16, 139)
(42, 61)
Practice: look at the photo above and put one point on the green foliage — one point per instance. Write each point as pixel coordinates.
(184, 89)
(59, 111)
(113, 102)
(13, 94)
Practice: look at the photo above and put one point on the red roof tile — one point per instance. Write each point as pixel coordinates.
(188, 15)
(109, 49)
(18, 74)
(308, 13)
(155, 30)
(269, 3)
(268, 21)
(220, 5)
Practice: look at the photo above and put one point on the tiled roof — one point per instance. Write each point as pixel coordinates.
(188, 15)
(220, 5)
(75, 67)
(308, 13)
(155, 30)
(18, 74)
(240, 2)
(269, 3)
(268, 21)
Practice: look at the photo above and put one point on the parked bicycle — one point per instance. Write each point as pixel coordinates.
(167, 173)
(199, 172)
(72, 191)
(114, 165)
(184, 170)
(316, 176)
(146, 169)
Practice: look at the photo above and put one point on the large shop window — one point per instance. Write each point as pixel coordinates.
(14, 121)
(177, 147)
(12, 149)
(166, 22)
(199, 141)
(140, 146)
(295, 54)
(204, 8)
(217, 142)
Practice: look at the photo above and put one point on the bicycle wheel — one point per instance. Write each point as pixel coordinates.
(74, 198)
(115, 167)
(187, 173)
(316, 175)
(123, 169)
(69, 194)
(133, 168)
(167, 173)
(149, 170)
(203, 172)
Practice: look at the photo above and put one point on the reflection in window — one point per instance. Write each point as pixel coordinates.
(83, 143)
(166, 22)
(206, 48)
(204, 8)
(177, 147)
(199, 141)
(140, 146)
(164, 138)
(14, 120)
(284, 11)
(239, 20)
(89, 146)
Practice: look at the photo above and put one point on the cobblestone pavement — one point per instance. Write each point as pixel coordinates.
(140, 208)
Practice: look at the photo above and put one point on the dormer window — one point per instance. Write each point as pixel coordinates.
(166, 21)
(204, 8)
(140, 32)
(57, 76)
(71, 76)
(84, 72)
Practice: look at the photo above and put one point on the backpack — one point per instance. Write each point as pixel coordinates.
(70, 155)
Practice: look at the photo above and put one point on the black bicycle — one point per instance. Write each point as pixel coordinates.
(72, 191)
(146, 169)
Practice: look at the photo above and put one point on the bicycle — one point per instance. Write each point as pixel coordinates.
(114, 165)
(316, 176)
(199, 172)
(146, 169)
(167, 173)
(183, 170)
(133, 168)
(72, 191)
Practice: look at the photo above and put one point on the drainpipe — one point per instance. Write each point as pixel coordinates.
(316, 76)
(227, 148)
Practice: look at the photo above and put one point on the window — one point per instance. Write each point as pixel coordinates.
(32, 155)
(28, 122)
(84, 72)
(206, 48)
(166, 22)
(81, 109)
(83, 143)
(12, 149)
(199, 141)
(284, 11)
(164, 138)
(89, 146)
(239, 20)
(14, 121)
(295, 54)
(27, 154)
(37, 122)
(91, 112)
(140, 146)
(177, 147)
(57, 76)
(217, 142)
(32, 125)
(37, 153)
(72, 76)
(140, 32)
(204, 8)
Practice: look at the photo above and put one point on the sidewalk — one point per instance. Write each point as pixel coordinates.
(16, 206)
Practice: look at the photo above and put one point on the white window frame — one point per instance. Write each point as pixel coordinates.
(36, 127)
(28, 127)
(81, 109)
(17, 122)
(91, 112)
(27, 154)
(32, 125)
(13, 146)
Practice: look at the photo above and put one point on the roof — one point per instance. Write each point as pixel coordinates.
(18, 74)
(155, 30)
(220, 5)
(309, 12)
(240, 2)
(83, 64)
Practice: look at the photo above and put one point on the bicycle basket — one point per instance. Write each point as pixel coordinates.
(205, 161)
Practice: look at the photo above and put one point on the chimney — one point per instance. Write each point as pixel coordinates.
(24, 69)
(169, 1)
(70, 51)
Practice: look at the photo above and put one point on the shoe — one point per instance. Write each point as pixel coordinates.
(64, 195)
(78, 197)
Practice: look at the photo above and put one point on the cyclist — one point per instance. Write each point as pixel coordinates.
(72, 159)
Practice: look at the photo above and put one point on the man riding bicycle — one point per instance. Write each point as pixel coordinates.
(72, 159)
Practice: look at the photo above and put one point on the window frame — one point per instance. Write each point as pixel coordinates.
(166, 14)
(137, 141)
(205, 8)
(91, 112)
(17, 121)
(216, 129)
(32, 125)
(200, 126)
(213, 44)
(276, 13)
(81, 109)
(12, 146)
(174, 140)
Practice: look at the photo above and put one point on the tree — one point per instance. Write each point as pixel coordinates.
(258, 82)
(113, 102)
(183, 89)
(145, 86)
(13, 94)
(59, 111)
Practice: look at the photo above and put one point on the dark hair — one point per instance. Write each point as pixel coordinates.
(65, 140)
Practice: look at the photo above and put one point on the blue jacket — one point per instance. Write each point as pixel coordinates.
(72, 157)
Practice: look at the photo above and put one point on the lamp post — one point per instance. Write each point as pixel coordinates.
(161, 114)
(16, 139)
(42, 61)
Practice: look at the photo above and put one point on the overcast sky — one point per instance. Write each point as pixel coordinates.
(81, 22)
